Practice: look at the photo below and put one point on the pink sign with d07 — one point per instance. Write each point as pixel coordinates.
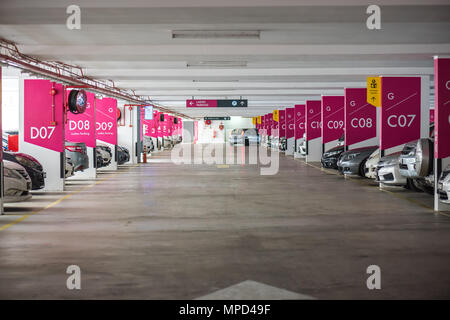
(81, 127)
(400, 111)
(106, 116)
(43, 114)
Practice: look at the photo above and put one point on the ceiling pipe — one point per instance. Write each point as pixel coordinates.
(63, 72)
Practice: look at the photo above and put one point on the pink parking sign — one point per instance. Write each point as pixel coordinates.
(106, 118)
(442, 108)
(81, 127)
(275, 127)
(332, 118)
(300, 116)
(269, 120)
(290, 122)
(282, 124)
(313, 119)
(400, 111)
(40, 126)
(360, 117)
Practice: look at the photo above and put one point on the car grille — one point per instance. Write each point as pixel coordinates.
(407, 149)
(23, 173)
(388, 177)
(443, 196)
(403, 166)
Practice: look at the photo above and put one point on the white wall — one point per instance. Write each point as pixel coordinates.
(206, 133)
(126, 135)
(237, 123)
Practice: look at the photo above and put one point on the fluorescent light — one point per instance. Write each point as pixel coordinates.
(216, 64)
(215, 34)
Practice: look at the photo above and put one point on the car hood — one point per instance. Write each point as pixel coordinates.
(12, 165)
(365, 150)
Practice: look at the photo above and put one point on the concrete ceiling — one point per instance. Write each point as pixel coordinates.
(305, 48)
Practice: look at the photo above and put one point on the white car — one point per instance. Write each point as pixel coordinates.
(69, 168)
(17, 182)
(301, 147)
(371, 164)
(444, 186)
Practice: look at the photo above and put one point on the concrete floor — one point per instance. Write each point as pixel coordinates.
(161, 231)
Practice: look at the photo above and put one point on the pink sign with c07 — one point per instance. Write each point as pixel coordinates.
(400, 111)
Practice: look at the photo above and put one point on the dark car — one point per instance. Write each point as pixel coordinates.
(31, 165)
(98, 158)
(352, 162)
(330, 157)
(123, 155)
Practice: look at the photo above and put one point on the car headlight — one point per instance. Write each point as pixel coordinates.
(353, 155)
(391, 162)
(26, 162)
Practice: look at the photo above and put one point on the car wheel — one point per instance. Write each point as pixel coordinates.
(361, 168)
(411, 185)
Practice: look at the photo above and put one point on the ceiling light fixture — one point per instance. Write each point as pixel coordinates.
(216, 34)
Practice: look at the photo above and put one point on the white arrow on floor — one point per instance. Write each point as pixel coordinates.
(252, 290)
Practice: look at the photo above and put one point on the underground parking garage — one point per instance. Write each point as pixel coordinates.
(239, 151)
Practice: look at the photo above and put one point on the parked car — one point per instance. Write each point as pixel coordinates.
(105, 153)
(444, 186)
(301, 146)
(244, 136)
(416, 159)
(78, 154)
(353, 162)
(123, 155)
(148, 144)
(371, 165)
(282, 144)
(69, 169)
(31, 165)
(98, 158)
(17, 182)
(388, 171)
(330, 157)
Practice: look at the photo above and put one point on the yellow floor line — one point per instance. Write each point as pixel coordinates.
(54, 203)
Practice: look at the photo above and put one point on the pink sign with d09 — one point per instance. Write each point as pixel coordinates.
(400, 111)
(43, 114)
(106, 116)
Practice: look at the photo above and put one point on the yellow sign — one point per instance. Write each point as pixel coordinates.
(374, 91)
(276, 115)
(259, 119)
(254, 120)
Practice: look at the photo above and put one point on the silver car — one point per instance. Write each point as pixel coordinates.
(444, 186)
(77, 152)
(17, 182)
(388, 171)
(416, 158)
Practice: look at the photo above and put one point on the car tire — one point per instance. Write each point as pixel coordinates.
(361, 168)
(411, 185)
